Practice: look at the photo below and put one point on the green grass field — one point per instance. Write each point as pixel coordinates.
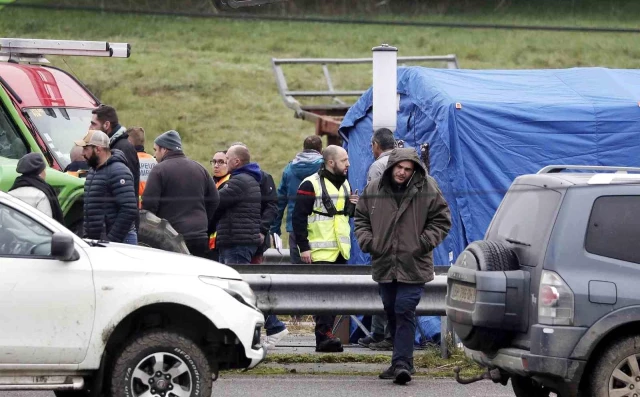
(211, 79)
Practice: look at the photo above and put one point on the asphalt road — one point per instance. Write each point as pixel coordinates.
(335, 386)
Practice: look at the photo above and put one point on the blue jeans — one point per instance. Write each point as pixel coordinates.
(240, 255)
(272, 325)
(400, 301)
(131, 238)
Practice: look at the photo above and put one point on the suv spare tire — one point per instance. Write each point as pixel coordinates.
(493, 256)
(490, 256)
(157, 233)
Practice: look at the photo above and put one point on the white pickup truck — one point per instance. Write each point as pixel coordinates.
(85, 317)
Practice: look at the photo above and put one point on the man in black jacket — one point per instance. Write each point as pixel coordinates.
(238, 231)
(268, 210)
(110, 204)
(105, 119)
(181, 191)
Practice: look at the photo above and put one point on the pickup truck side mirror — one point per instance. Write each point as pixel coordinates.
(63, 247)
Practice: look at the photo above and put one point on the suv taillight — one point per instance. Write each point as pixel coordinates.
(555, 300)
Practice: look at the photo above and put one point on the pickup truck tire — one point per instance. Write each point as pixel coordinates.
(491, 257)
(163, 362)
(157, 233)
(617, 369)
(526, 387)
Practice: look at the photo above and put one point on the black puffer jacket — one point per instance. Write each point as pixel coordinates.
(240, 208)
(110, 204)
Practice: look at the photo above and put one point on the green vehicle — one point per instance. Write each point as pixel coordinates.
(44, 109)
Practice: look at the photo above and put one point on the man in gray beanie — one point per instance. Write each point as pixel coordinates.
(31, 187)
(181, 191)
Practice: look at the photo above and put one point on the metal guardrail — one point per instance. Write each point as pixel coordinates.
(333, 294)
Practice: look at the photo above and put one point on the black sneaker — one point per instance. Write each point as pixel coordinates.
(402, 375)
(389, 373)
(366, 341)
(383, 345)
(327, 343)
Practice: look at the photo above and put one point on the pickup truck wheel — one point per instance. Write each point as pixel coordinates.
(161, 364)
(526, 387)
(490, 256)
(617, 372)
(156, 232)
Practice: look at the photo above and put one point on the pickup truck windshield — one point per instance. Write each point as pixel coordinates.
(59, 127)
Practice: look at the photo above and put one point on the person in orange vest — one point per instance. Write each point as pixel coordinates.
(220, 176)
(78, 166)
(147, 161)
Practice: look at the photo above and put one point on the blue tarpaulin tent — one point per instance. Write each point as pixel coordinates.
(486, 127)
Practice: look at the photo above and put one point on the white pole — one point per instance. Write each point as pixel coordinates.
(385, 87)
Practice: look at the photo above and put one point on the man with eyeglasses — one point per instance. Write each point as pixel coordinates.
(220, 177)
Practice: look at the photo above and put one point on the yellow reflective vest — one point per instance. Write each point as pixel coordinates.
(329, 236)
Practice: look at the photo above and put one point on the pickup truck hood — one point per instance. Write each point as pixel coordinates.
(133, 258)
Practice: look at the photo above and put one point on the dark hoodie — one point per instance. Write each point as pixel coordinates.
(110, 202)
(305, 163)
(240, 208)
(401, 225)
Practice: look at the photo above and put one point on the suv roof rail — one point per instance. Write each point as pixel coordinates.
(558, 168)
(34, 50)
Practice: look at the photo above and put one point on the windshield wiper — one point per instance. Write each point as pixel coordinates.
(517, 242)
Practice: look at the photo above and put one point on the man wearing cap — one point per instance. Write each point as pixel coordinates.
(181, 191)
(110, 203)
(31, 187)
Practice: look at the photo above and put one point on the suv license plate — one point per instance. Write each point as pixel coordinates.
(463, 293)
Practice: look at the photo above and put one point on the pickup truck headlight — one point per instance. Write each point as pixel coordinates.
(239, 289)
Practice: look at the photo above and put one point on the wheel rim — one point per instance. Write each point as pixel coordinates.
(625, 379)
(161, 375)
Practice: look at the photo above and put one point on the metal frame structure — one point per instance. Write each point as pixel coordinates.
(328, 117)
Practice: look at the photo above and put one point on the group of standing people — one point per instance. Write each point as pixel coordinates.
(229, 217)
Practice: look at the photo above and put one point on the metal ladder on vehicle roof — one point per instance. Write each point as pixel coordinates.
(33, 50)
(550, 169)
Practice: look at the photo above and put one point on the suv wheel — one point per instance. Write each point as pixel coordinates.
(161, 364)
(617, 372)
(526, 387)
(491, 257)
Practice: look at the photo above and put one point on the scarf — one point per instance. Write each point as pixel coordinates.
(336, 180)
(44, 187)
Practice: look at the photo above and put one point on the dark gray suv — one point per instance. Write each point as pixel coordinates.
(550, 299)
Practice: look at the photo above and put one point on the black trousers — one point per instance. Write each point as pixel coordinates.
(325, 323)
(198, 247)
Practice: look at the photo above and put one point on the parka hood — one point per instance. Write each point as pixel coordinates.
(404, 154)
(306, 163)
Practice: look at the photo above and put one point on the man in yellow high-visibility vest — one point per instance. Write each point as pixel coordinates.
(324, 204)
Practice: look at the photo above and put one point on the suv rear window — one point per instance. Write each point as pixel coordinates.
(525, 219)
(614, 227)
